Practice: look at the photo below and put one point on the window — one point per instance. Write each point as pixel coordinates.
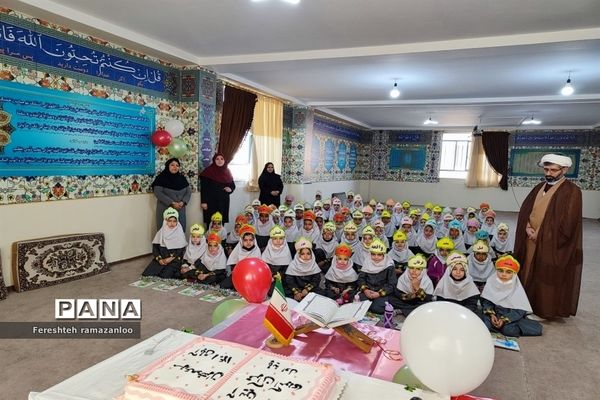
(455, 155)
(241, 165)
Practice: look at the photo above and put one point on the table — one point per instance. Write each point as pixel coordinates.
(321, 345)
(106, 379)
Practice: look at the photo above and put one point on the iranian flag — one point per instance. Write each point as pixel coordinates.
(278, 319)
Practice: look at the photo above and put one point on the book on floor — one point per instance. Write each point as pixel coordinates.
(326, 312)
(505, 342)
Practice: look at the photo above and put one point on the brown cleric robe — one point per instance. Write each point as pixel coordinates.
(551, 266)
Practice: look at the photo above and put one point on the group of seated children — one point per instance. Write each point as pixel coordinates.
(391, 255)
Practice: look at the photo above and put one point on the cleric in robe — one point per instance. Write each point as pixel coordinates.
(548, 241)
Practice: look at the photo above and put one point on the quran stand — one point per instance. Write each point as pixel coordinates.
(348, 332)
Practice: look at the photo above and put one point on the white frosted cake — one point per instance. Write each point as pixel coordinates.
(213, 369)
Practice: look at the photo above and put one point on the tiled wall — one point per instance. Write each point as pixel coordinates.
(189, 95)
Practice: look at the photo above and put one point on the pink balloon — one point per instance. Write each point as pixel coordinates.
(161, 138)
(252, 279)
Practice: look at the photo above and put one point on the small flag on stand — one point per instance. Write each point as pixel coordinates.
(278, 318)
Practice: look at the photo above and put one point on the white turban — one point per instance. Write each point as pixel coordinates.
(557, 159)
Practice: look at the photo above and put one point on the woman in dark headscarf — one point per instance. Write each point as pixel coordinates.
(216, 184)
(171, 189)
(270, 185)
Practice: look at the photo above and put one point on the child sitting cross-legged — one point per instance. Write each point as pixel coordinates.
(194, 250)
(340, 279)
(505, 304)
(414, 287)
(303, 275)
(277, 253)
(456, 285)
(377, 278)
(210, 268)
(168, 247)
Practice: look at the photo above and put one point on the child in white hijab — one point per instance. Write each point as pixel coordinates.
(168, 247)
(246, 248)
(377, 278)
(456, 285)
(500, 243)
(480, 262)
(194, 250)
(277, 254)
(505, 304)
(340, 279)
(211, 265)
(400, 253)
(303, 275)
(326, 245)
(414, 287)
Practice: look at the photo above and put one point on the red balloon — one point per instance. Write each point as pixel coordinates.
(161, 138)
(252, 279)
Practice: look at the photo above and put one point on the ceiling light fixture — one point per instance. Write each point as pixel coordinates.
(568, 89)
(430, 122)
(395, 92)
(531, 121)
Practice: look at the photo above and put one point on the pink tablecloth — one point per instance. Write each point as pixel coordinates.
(322, 345)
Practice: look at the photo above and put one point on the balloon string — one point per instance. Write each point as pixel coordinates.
(393, 355)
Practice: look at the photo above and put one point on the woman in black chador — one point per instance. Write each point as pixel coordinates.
(270, 185)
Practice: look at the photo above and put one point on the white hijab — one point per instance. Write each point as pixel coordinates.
(353, 243)
(239, 253)
(480, 271)
(313, 235)
(303, 268)
(338, 275)
(405, 286)
(327, 247)
(277, 256)
(506, 294)
(427, 245)
(216, 262)
(194, 251)
(291, 233)
(400, 256)
(448, 288)
(501, 246)
(371, 267)
(170, 238)
(232, 237)
(264, 229)
(459, 243)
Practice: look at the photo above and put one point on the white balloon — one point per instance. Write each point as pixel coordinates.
(174, 127)
(447, 347)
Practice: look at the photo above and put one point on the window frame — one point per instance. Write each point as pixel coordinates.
(455, 138)
(242, 171)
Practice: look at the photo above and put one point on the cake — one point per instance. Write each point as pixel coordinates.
(210, 369)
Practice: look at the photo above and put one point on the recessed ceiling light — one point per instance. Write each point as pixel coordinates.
(395, 92)
(531, 121)
(430, 122)
(568, 89)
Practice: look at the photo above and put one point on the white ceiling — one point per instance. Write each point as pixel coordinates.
(463, 62)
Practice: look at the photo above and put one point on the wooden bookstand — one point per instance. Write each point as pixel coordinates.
(349, 332)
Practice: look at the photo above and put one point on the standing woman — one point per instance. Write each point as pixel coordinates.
(270, 185)
(216, 184)
(171, 189)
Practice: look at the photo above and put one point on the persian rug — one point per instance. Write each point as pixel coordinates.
(3, 291)
(50, 261)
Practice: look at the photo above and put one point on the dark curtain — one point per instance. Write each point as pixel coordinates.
(238, 112)
(495, 145)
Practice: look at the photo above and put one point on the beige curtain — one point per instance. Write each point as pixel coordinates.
(267, 132)
(480, 173)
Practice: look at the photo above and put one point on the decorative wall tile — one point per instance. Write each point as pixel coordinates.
(54, 188)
